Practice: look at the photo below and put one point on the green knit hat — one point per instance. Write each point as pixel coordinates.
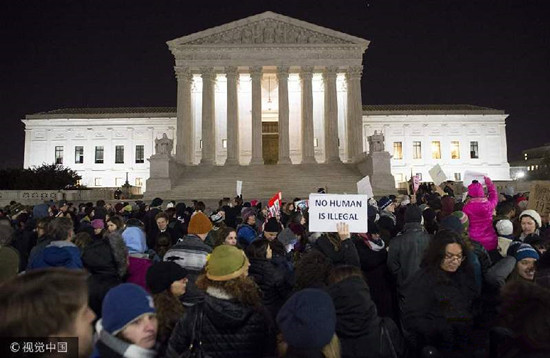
(461, 215)
(225, 263)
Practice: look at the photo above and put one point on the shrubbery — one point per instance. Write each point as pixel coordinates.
(44, 177)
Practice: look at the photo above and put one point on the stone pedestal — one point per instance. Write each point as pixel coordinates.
(164, 172)
(378, 167)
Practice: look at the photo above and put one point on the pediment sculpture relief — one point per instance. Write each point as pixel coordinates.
(269, 32)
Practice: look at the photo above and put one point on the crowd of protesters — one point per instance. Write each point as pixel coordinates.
(434, 276)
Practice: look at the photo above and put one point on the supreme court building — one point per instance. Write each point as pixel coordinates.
(268, 89)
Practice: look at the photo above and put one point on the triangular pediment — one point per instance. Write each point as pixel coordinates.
(267, 28)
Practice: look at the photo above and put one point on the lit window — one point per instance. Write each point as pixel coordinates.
(436, 150)
(98, 181)
(78, 155)
(474, 150)
(140, 154)
(417, 150)
(99, 155)
(78, 182)
(455, 150)
(119, 181)
(119, 154)
(59, 155)
(397, 150)
(458, 177)
(525, 156)
(419, 175)
(139, 182)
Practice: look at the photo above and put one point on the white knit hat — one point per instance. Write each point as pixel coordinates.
(504, 227)
(533, 215)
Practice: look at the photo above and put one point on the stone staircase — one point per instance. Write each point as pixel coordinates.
(261, 182)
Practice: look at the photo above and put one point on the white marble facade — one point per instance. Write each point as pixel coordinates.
(236, 78)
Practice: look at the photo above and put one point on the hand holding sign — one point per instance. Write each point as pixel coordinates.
(343, 231)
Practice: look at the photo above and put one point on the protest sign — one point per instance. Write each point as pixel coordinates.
(539, 197)
(469, 176)
(274, 205)
(416, 183)
(437, 174)
(301, 205)
(326, 210)
(364, 187)
(239, 187)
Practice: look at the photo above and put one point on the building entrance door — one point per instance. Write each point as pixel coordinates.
(270, 142)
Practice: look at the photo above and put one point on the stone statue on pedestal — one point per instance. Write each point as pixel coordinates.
(377, 165)
(164, 145)
(376, 142)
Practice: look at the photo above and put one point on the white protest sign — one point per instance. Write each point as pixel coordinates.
(437, 174)
(239, 187)
(326, 210)
(470, 176)
(364, 187)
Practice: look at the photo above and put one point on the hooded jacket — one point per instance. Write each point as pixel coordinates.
(480, 214)
(134, 238)
(357, 324)
(229, 329)
(58, 254)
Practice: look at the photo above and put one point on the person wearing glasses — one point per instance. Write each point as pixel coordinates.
(437, 306)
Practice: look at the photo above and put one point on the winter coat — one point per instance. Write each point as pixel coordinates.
(345, 255)
(373, 258)
(58, 254)
(273, 278)
(98, 259)
(480, 214)
(151, 228)
(406, 251)
(229, 329)
(41, 244)
(109, 346)
(437, 307)
(138, 264)
(357, 324)
(246, 234)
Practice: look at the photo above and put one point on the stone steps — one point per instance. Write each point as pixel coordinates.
(262, 182)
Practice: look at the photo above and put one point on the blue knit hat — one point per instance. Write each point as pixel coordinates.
(526, 251)
(124, 304)
(384, 202)
(308, 319)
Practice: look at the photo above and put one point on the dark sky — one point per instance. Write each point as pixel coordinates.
(112, 53)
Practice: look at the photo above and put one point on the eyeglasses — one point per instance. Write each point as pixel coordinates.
(451, 257)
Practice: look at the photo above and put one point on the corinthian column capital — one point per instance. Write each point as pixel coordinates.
(282, 72)
(354, 72)
(256, 72)
(183, 73)
(306, 72)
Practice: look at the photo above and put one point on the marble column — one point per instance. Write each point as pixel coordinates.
(355, 113)
(232, 76)
(208, 116)
(332, 154)
(184, 123)
(308, 153)
(284, 140)
(257, 155)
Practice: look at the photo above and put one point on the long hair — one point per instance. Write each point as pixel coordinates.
(312, 270)
(435, 252)
(340, 273)
(258, 249)
(222, 234)
(169, 311)
(117, 220)
(242, 288)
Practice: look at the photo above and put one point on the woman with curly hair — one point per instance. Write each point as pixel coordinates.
(167, 281)
(437, 306)
(231, 322)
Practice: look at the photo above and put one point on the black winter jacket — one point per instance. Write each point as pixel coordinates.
(346, 255)
(229, 329)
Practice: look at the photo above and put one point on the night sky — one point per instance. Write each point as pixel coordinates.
(111, 53)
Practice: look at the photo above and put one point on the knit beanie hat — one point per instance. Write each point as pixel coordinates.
(308, 319)
(122, 305)
(246, 213)
(272, 225)
(533, 215)
(161, 275)
(413, 214)
(475, 190)
(225, 263)
(98, 224)
(384, 202)
(216, 217)
(452, 223)
(464, 220)
(504, 227)
(526, 251)
(199, 224)
(118, 207)
(156, 202)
